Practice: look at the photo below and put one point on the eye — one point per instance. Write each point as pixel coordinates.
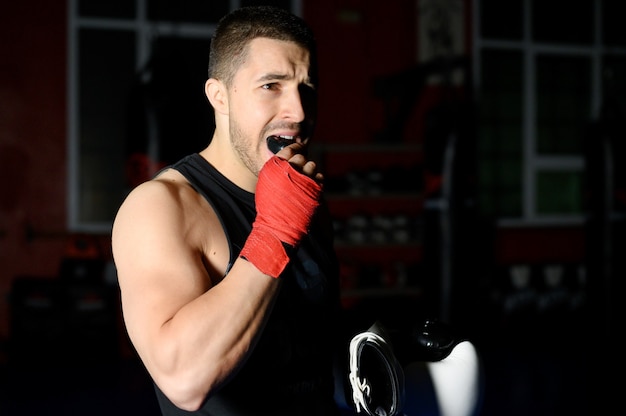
(270, 86)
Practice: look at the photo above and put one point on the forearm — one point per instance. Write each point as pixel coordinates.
(205, 341)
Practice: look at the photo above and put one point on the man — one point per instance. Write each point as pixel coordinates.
(228, 281)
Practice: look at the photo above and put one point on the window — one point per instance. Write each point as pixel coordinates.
(541, 69)
(134, 63)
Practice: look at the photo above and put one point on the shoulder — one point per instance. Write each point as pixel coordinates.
(169, 193)
(164, 207)
(145, 203)
(165, 222)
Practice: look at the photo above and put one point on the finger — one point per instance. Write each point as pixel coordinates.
(298, 160)
(289, 151)
(309, 168)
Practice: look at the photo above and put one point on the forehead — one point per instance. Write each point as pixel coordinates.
(276, 56)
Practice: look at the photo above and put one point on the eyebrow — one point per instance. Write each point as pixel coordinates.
(281, 77)
(272, 77)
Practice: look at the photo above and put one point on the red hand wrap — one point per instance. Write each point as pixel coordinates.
(285, 203)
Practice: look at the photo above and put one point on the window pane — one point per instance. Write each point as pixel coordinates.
(170, 116)
(559, 193)
(106, 68)
(613, 33)
(107, 8)
(500, 187)
(563, 21)
(563, 104)
(191, 11)
(500, 133)
(501, 19)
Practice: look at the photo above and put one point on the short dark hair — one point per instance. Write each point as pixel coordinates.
(229, 44)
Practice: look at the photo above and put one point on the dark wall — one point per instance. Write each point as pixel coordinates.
(358, 41)
(33, 142)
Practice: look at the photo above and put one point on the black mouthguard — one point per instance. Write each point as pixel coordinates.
(276, 143)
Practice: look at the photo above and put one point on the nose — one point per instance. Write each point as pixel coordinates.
(293, 106)
(300, 103)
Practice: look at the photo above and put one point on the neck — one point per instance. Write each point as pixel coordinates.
(220, 154)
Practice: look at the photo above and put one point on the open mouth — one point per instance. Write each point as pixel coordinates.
(276, 143)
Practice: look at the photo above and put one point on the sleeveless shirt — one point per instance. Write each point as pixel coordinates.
(290, 370)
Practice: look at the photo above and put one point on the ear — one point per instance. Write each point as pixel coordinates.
(215, 91)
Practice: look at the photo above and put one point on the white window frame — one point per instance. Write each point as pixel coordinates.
(532, 161)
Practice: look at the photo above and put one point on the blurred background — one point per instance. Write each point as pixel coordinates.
(472, 151)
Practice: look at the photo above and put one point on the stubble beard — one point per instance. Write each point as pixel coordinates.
(243, 146)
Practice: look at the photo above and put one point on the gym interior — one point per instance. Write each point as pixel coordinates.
(472, 151)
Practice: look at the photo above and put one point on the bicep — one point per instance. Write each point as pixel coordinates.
(158, 272)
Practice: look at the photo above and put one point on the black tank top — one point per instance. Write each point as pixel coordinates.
(290, 371)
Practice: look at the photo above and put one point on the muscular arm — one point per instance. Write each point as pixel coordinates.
(189, 337)
(191, 329)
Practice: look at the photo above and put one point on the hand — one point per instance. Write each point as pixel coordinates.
(295, 154)
(286, 199)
